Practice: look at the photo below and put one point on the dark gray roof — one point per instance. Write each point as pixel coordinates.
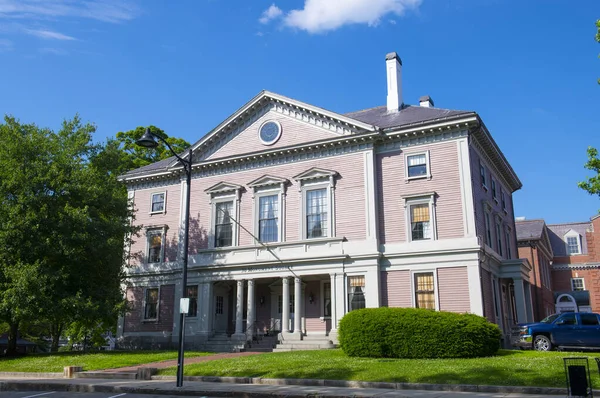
(161, 165)
(557, 236)
(529, 229)
(408, 115)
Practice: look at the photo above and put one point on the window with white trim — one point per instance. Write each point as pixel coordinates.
(503, 200)
(424, 290)
(356, 292)
(268, 218)
(420, 217)
(192, 294)
(573, 245)
(417, 165)
(151, 303)
(318, 197)
(482, 175)
(158, 202)
(494, 190)
(155, 246)
(317, 211)
(577, 284)
(225, 202)
(269, 208)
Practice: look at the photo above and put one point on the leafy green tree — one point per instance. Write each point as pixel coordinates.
(592, 184)
(63, 216)
(132, 156)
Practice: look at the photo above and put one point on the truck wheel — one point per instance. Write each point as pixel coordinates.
(542, 343)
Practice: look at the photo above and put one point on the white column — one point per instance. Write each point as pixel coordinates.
(333, 303)
(250, 316)
(285, 305)
(239, 310)
(520, 300)
(297, 306)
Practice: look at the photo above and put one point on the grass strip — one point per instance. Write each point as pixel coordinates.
(89, 361)
(508, 368)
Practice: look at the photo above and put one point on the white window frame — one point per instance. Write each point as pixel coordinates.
(144, 319)
(572, 234)
(413, 287)
(164, 210)
(503, 200)
(152, 230)
(314, 179)
(482, 175)
(219, 193)
(427, 165)
(268, 186)
(364, 289)
(411, 200)
(582, 284)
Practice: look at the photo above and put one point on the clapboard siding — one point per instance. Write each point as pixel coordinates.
(445, 181)
(142, 203)
(293, 132)
(396, 289)
(349, 199)
(453, 289)
(482, 195)
(488, 296)
(134, 317)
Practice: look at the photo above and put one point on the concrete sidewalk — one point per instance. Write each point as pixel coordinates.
(279, 388)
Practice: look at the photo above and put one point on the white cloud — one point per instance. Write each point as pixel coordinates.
(320, 16)
(270, 14)
(101, 10)
(48, 34)
(53, 51)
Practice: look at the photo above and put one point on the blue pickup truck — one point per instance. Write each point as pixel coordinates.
(579, 330)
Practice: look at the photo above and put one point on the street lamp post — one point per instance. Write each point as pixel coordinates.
(148, 140)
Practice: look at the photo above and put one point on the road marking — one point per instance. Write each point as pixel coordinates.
(118, 395)
(37, 395)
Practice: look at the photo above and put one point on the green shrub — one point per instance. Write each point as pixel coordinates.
(416, 333)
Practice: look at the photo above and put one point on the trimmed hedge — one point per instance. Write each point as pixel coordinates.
(416, 333)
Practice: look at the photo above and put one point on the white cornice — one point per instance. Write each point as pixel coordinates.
(267, 180)
(315, 173)
(561, 267)
(223, 187)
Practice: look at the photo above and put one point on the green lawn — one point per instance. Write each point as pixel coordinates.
(93, 361)
(511, 368)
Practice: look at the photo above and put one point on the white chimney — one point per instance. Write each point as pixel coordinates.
(426, 101)
(393, 64)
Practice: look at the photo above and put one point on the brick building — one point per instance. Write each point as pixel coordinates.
(571, 252)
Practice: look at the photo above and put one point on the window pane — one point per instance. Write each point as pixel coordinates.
(420, 222)
(417, 165)
(268, 219)
(577, 284)
(316, 213)
(224, 225)
(589, 319)
(158, 202)
(150, 310)
(154, 247)
(572, 245)
(192, 294)
(219, 305)
(424, 290)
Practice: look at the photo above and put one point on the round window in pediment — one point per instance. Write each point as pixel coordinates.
(269, 132)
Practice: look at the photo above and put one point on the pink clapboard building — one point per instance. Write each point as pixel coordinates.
(299, 215)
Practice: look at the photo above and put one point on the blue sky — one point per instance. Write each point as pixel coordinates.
(529, 68)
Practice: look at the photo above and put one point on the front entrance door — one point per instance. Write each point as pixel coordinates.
(221, 305)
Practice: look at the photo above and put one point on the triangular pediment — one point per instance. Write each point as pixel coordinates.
(267, 180)
(223, 187)
(315, 173)
(300, 123)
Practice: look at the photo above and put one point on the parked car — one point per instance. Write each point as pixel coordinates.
(568, 330)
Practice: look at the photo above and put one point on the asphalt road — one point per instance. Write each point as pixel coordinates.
(63, 394)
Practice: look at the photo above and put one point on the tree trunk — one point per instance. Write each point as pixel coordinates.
(11, 349)
(55, 332)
